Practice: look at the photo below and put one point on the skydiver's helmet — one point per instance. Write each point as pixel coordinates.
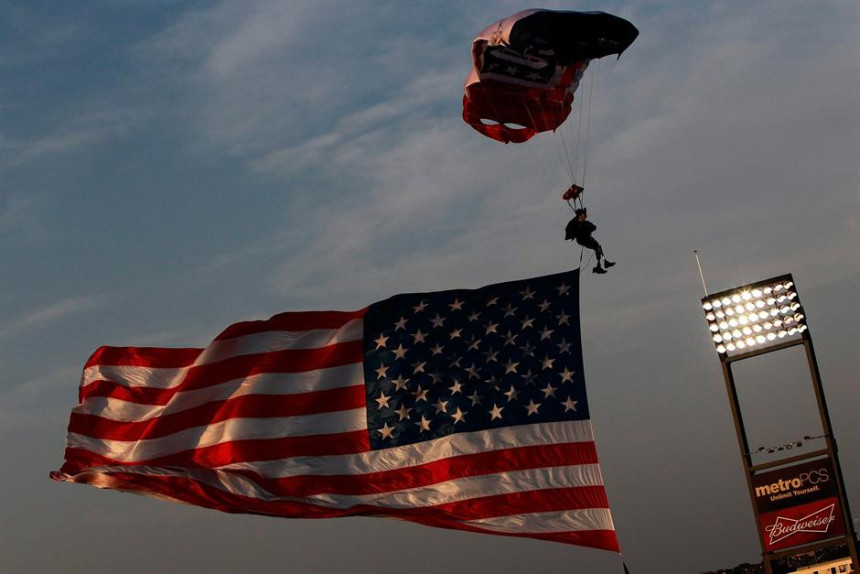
(581, 211)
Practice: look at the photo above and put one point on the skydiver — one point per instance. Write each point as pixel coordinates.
(580, 230)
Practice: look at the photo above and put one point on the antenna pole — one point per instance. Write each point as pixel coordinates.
(701, 275)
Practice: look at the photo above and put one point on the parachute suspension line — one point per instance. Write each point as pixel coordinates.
(573, 164)
(578, 136)
(570, 169)
(591, 90)
(547, 164)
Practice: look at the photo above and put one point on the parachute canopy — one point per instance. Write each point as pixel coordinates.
(526, 68)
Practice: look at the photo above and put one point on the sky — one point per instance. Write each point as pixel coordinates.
(169, 168)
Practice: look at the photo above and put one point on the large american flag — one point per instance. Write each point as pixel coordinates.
(459, 409)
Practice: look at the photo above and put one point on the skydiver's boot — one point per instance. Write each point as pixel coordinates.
(599, 270)
(607, 263)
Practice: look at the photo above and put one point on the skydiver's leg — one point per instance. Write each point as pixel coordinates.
(592, 244)
(602, 257)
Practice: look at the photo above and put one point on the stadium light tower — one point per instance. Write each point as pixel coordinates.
(799, 501)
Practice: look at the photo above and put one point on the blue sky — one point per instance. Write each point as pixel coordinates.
(168, 168)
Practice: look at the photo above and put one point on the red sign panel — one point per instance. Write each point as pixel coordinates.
(802, 524)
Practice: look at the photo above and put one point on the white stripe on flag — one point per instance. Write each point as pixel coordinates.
(546, 522)
(457, 490)
(424, 452)
(270, 341)
(275, 384)
(224, 431)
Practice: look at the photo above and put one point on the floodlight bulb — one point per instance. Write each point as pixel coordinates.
(720, 315)
(737, 334)
(718, 338)
(716, 303)
(763, 314)
(736, 298)
(721, 349)
(767, 290)
(789, 284)
(756, 292)
(781, 334)
(731, 347)
(746, 296)
(802, 328)
(740, 344)
(771, 336)
(730, 311)
(749, 306)
(739, 309)
(707, 306)
(726, 301)
(714, 328)
(710, 317)
(759, 304)
(733, 322)
(760, 339)
(747, 331)
(792, 331)
(723, 325)
(778, 287)
(757, 328)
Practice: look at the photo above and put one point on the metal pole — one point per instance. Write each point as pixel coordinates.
(743, 444)
(831, 447)
(702, 275)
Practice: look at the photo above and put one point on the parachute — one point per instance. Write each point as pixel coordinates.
(526, 68)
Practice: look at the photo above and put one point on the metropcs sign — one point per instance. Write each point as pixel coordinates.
(798, 505)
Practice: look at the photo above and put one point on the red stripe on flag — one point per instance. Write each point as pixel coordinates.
(601, 539)
(139, 395)
(191, 491)
(231, 452)
(247, 406)
(286, 361)
(212, 374)
(431, 472)
(526, 502)
(292, 321)
(143, 357)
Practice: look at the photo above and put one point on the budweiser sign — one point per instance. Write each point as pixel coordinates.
(816, 522)
(802, 524)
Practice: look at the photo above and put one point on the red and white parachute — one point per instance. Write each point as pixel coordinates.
(526, 68)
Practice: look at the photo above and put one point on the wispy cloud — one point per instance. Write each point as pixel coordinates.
(32, 403)
(14, 210)
(46, 315)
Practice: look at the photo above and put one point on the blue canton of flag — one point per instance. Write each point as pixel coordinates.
(470, 360)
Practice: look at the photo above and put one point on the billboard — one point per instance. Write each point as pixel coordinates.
(798, 504)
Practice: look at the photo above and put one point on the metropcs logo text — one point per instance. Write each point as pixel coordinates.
(800, 484)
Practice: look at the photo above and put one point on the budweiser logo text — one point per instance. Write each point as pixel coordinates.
(818, 521)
